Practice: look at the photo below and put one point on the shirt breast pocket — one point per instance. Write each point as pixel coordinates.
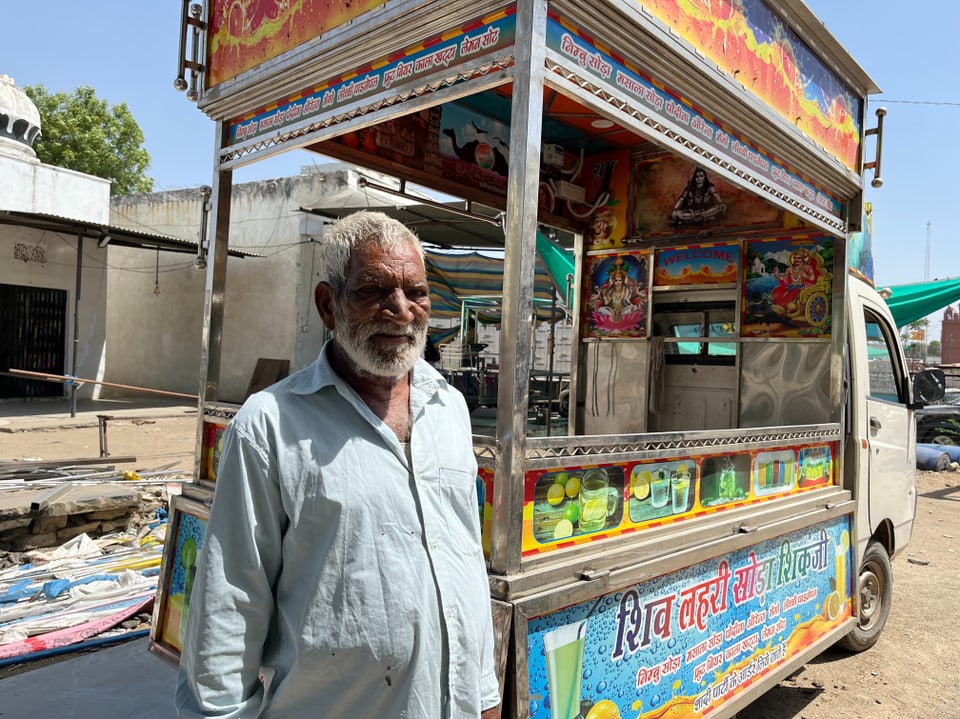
(461, 508)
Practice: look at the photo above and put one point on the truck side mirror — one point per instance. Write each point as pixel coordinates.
(929, 386)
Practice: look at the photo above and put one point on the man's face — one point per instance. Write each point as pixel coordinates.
(380, 321)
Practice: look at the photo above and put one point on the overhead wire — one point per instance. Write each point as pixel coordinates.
(922, 102)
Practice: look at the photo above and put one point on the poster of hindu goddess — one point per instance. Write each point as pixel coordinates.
(617, 294)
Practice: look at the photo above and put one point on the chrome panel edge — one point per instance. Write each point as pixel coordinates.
(633, 557)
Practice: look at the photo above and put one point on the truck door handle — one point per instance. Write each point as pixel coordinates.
(875, 423)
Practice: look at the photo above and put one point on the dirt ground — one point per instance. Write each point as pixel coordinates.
(910, 674)
(154, 443)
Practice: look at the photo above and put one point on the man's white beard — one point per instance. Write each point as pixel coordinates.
(372, 358)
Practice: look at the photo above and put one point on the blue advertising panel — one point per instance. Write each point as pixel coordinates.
(684, 643)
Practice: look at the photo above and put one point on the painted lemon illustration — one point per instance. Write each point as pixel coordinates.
(571, 511)
(572, 487)
(640, 484)
(555, 494)
(563, 529)
(832, 606)
(561, 478)
(604, 709)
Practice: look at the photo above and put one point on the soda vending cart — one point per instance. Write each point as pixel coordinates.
(699, 529)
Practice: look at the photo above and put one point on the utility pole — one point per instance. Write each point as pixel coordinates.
(926, 278)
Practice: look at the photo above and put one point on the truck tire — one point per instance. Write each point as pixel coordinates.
(875, 587)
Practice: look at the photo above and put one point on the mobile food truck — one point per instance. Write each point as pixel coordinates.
(737, 469)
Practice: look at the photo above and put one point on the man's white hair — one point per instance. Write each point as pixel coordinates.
(354, 230)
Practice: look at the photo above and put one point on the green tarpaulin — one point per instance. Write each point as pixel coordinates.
(559, 263)
(912, 302)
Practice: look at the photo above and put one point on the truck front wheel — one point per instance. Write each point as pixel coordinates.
(876, 592)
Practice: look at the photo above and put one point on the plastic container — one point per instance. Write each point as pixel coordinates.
(933, 457)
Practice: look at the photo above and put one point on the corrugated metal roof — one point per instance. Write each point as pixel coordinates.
(106, 234)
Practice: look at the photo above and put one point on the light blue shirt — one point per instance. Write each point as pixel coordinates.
(349, 576)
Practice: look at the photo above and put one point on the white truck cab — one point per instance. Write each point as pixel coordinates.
(880, 450)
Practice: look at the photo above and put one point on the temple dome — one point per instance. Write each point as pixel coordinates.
(19, 120)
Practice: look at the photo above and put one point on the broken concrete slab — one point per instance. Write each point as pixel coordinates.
(92, 509)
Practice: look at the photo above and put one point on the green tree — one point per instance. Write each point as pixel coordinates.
(933, 349)
(84, 133)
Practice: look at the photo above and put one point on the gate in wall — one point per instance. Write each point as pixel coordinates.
(33, 329)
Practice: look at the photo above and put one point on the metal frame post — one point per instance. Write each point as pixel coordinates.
(518, 272)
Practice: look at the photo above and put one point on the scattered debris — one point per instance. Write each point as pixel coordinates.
(13, 468)
(80, 556)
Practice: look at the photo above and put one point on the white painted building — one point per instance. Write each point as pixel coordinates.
(56, 245)
(112, 290)
(156, 302)
(155, 318)
(43, 326)
(156, 307)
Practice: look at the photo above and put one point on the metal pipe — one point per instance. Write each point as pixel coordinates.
(550, 348)
(74, 378)
(875, 165)
(498, 220)
(513, 392)
(76, 325)
(180, 83)
(193, 62)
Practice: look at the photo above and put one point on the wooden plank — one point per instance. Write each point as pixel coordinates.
(266, 373)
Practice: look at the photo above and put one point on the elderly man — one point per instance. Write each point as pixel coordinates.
(342, 573)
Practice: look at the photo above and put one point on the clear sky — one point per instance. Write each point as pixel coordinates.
(127, 51)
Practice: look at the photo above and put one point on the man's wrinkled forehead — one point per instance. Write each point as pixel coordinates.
(374, 261)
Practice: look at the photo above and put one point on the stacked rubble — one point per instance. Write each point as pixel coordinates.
(80, 556)
(32, 518)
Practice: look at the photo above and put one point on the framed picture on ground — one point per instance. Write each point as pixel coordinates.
(186, 527)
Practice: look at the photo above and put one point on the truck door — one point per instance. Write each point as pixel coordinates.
(889, 431)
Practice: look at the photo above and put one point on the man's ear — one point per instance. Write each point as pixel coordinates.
(323, 299)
